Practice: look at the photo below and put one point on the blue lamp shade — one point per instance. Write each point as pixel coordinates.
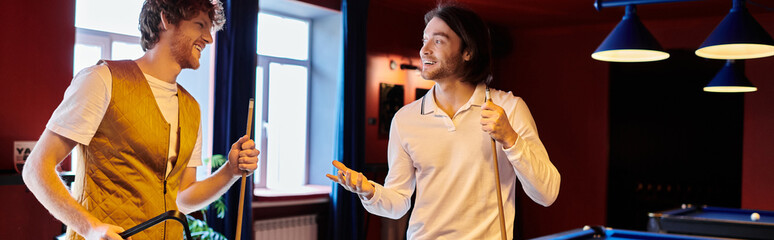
(731, 79)
(738, 36)
(630, 41)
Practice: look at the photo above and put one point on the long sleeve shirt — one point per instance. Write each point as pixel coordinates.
(449, 161)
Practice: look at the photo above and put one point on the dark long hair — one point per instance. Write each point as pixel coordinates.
(475, 38)
(174, 11)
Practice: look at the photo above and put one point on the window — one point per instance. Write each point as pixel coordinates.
(283, 37)
(108, 29)
(282, 84)
(299, 51)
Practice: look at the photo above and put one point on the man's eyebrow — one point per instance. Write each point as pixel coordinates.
(441, 34)
(206, 20)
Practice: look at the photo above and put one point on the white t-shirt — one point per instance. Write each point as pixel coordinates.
(88, 96)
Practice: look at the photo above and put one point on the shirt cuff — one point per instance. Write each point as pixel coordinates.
(377, 194)
(514, 151)
(67, 133)
(194, 163)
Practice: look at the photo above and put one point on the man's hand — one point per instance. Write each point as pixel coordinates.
(495, 122)
(243, 157)
(352, 180)
(103, 231)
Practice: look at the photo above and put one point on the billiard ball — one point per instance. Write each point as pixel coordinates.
(755, 217)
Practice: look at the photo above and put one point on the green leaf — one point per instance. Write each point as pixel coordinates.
(220, 207)
(200, 230)
(218, 160)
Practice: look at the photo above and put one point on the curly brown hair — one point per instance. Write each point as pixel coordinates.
(174, 11)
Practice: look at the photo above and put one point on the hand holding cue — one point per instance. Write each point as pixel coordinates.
(244, 174)
(501, 216)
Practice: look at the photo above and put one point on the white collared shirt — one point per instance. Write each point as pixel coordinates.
(449, 160)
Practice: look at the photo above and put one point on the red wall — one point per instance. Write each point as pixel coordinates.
(24, 217)
(567, 93)
(757, 177)
(398, 38)
(36, 66)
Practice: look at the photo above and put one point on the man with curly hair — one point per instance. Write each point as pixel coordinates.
(138, 134)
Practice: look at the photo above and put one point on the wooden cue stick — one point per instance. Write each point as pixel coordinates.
(503, 236)
(244, 174)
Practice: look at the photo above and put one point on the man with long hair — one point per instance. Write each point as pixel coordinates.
(138, 134)
(441, 143)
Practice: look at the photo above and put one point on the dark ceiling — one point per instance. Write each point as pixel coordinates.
(543, 13)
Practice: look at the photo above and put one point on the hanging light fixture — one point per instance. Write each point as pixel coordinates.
(629, 41)
(731, 79)
(738, 36)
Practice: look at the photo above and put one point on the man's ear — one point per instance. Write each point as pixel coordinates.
(466, 55)
(164, 22)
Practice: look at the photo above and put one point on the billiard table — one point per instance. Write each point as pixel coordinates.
(598, 232)
(713, 221)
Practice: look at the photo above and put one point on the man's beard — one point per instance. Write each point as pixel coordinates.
(182, 48)
(450, 67)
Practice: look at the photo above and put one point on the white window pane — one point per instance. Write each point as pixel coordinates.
(258, 121)
(286, 163)
(283, 37)
(123, 50)
(117, 16)
(84, 56)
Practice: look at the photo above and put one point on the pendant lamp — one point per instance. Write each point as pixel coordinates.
(738, 36)
(731, 79)
(630, 41)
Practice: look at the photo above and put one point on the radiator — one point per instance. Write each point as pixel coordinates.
(289, 228)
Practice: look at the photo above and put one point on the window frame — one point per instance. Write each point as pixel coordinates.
(264, 61)
(103, 39)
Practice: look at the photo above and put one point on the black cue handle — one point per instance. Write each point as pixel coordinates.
(171, 214)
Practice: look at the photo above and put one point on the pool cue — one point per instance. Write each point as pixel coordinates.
(244, 174)
(503, 236)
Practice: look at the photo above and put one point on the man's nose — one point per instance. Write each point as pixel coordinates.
(207, 37)
(425, 50)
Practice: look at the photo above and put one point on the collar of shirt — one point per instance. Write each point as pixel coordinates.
(477, 99)
(170, 89)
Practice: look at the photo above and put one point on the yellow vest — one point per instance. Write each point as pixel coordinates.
(121, 177)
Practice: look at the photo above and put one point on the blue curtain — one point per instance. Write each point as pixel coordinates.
(235, 61)
(347, 212)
